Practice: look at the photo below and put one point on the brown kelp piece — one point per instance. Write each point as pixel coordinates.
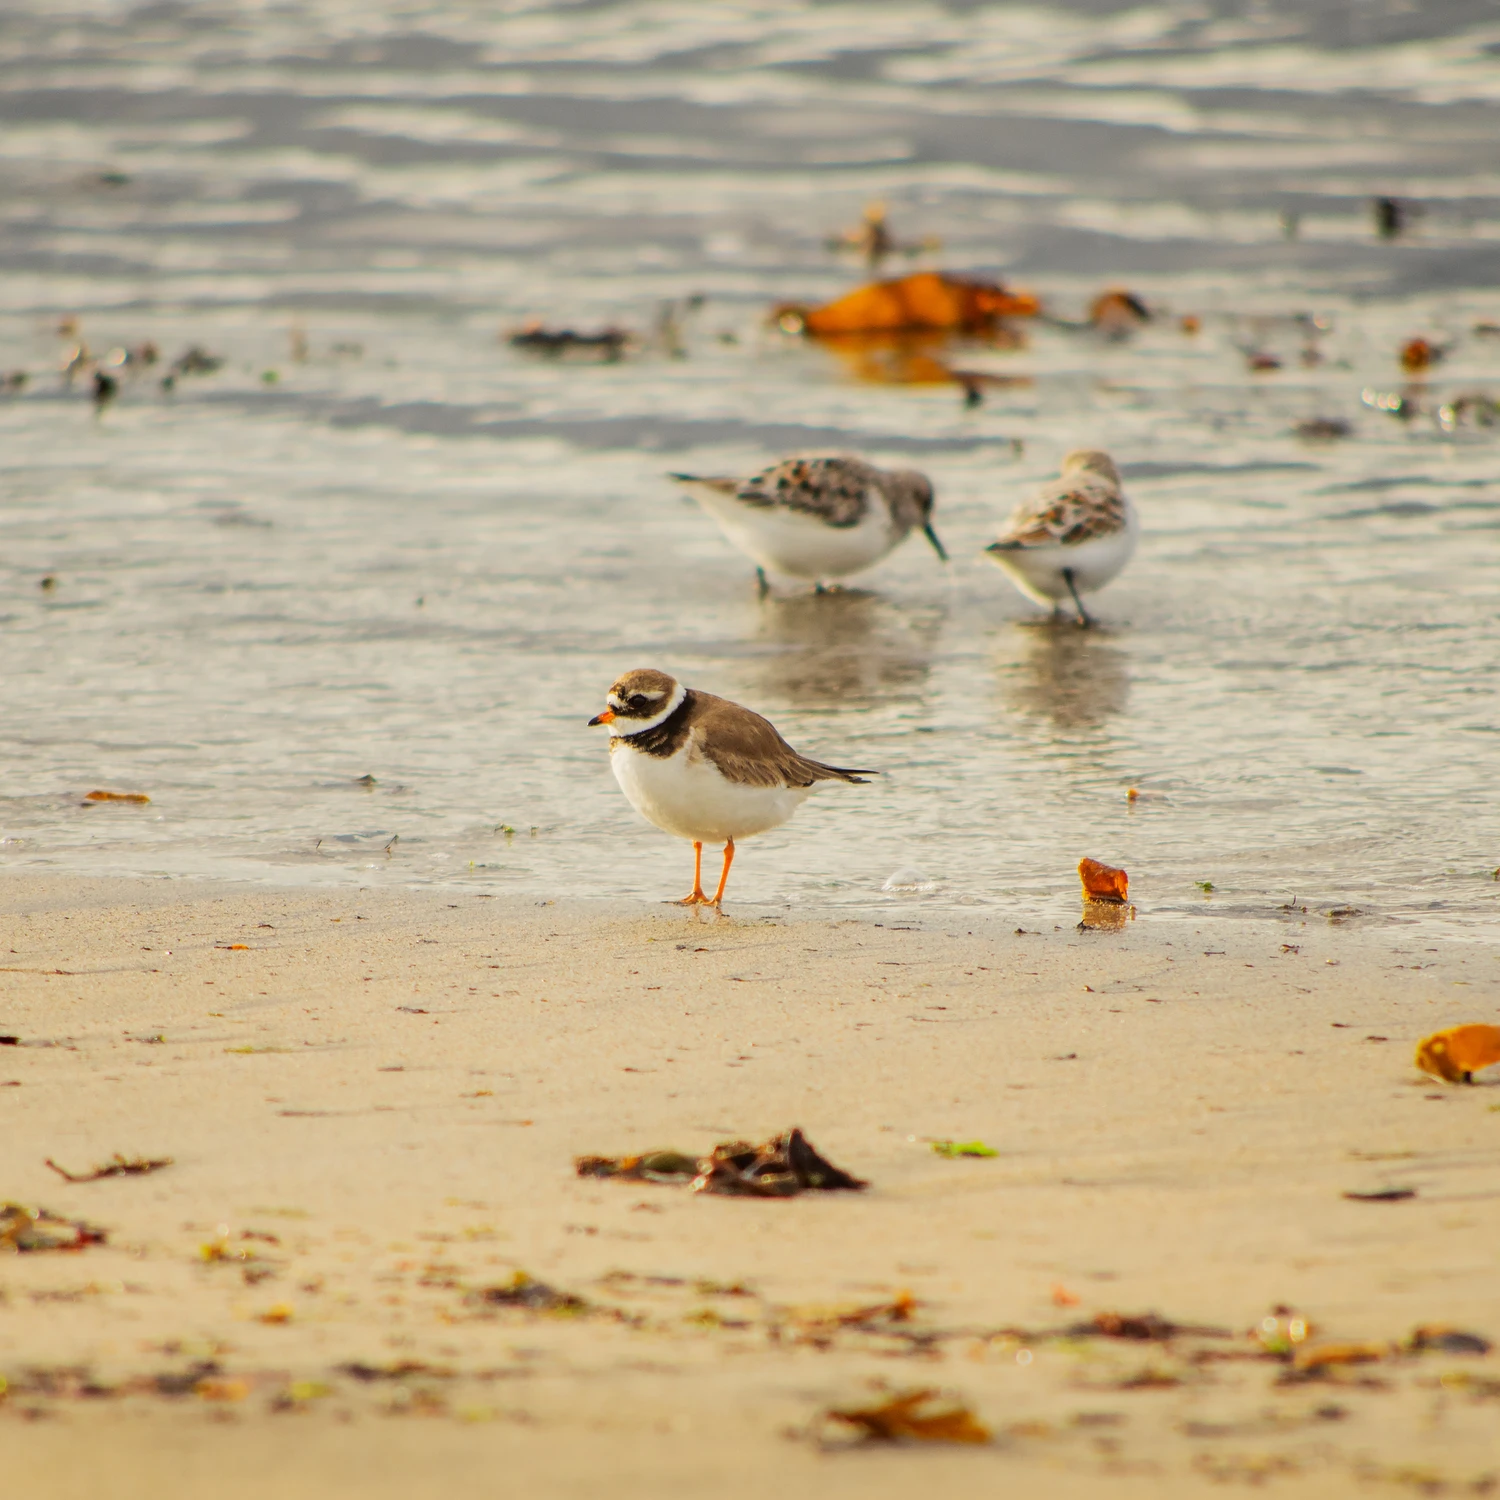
(1103, 882)
(1459, 1052)
(25, 1229)
(1438, 1338)
(926, 299)
(783, 1166)
(535, 1296)
(116, 1166)
(102, 796)
(649, 1166)
(607, 345)
(1147, 1327)
(918, 1416)
(1325, 1356)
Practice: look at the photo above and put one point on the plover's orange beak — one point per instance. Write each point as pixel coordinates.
(607, 717)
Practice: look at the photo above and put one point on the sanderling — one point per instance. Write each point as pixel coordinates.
(1072, 536)
(820, 517)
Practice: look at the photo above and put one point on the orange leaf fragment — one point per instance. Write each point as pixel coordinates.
(1103, 882)
(902, 1417)
(1062, 1297)
(1322, 1356)
(98, 796)
(1459, 1052)
(211, 1388)
(1419, 354)
(926, 299)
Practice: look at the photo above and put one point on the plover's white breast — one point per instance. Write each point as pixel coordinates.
(687, 795)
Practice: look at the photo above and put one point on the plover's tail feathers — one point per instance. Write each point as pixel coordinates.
(838, 773)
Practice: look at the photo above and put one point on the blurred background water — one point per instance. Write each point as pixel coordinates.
(381, 542)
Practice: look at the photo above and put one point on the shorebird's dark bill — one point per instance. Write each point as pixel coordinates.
(932, 537)
(607, 717)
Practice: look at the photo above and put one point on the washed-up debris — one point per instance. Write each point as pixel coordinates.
(1146, 1327)
(785, 1165)
(27, 1229)
(106, 388)
(194, 360)
(908, 878)
(1381, 1195)
(1440, 1339)
(1103, 882)
(401, 1369)
(1472, 409)
(872, 239)
(1458, 1053)
(606, 345)
(1323, 429)
(1421, 354)
(98, 796)
(1260, 362)
(922, 1416)
(1117, 313)
(534, 1296)
(13, 382)
(1391, 217)
(1318, 1357)
(779, 1168)
(963, 1148)
(116, 1166)
(924, 300)
(650, 1166)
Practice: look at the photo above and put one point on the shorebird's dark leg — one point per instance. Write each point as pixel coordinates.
(760, 582)
(724, 874)
(1084, 617)
(696, 896)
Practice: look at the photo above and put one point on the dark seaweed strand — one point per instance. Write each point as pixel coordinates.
(664, 739)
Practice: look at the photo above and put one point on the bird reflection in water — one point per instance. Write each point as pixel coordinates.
(1075, 678)
(844, 648)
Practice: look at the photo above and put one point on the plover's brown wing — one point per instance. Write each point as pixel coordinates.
(1065, 512)
(833, 490)
(746, 749)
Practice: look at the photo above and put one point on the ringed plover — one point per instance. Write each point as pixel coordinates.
(703, 768)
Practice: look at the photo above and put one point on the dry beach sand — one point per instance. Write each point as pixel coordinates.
(373, 1106)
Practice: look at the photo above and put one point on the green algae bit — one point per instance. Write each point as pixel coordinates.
(963, 1148)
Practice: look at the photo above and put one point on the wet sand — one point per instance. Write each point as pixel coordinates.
(385, 1091)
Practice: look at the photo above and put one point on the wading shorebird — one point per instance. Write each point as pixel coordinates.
(818, 518)
(704, 768)
(1072, 536)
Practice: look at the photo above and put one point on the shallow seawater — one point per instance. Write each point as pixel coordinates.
(419, 555)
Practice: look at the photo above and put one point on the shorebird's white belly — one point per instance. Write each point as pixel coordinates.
(799, 545)
(685, 795)
(1038, 571)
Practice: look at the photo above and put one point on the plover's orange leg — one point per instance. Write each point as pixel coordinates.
(724, 874)
(696, 897)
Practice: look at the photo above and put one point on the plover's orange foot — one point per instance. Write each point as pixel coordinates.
(694, 898)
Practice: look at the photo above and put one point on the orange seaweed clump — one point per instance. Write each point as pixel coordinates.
(1459, 1052)
(1420, 354)
(99, 796)
(917, 1416)
(925, 299)
(1103, 882)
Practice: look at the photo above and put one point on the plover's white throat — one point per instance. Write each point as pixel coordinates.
(704, 768)
(1072, 536)
(818, 518)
